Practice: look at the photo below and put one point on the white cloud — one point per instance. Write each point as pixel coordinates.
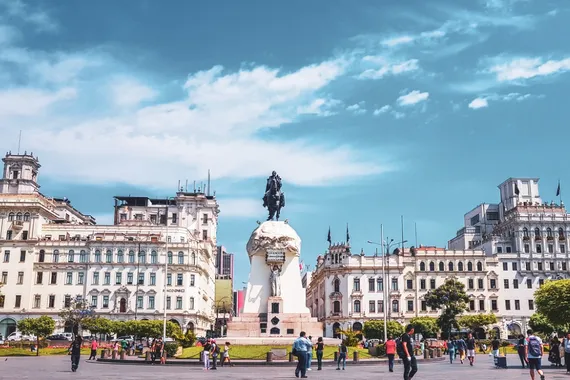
(357, 108)
(31, 102)
(40, 19)
(527, 68)
(386, 67)
(241, 207)
(400, 40)
(478, 103)
(128, 92)
(382, 110)
(398, 115)
(319, 107)
(412, 98)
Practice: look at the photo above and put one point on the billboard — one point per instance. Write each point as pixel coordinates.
(224, 299)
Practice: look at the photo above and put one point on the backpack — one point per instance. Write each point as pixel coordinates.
(217, 350)
(343, 349)
(533, 346)
(400, 347)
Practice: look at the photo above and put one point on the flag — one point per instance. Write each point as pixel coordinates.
(347, 234)
(329, 239)
(558, 189)
(301, 266)
(517, 191)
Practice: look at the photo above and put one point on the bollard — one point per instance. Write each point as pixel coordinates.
(290, 357)
(122, 355)
(104, 354)
(356, 356)
(269, 357)
(438, 351)
(147, 357)
(431, 353)
(425, 353)
(335, 356)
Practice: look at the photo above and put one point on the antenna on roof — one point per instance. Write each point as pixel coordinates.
(208, 194)
(186, 188)
(178, 188)
(194, 186)
(19, 142)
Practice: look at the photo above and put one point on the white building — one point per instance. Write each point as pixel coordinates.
(346, 289)
(52, 253)
(528, 236)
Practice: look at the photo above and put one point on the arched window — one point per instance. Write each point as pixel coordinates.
(55, 256)
(422, 266)
(431, 266)
(193, 258)
(395, 306)
(153, 257)
(120, 256)
(19, 216)
(109, 256)
(191, 303)
(169, 257)
(11, 216)
(441, 266)
(537, 232)
(42, 257)
(180, 257)
(123, 306)
(479, 266)
(70, 256)
(450, 266)
(469, 266)
(549, 232)
(357, 306)
(27, 217)
(131, 257)
(97, 256)
(142, 257)
(83, 256)
(336, 307)
(525, 232)
(460, 266)
(561, 232)
(336, 285)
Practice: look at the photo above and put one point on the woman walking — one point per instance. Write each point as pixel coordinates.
(521, 350)
(226, 355)
(451, 349)
(320, 350)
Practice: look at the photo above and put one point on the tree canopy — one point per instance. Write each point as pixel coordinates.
(77, 311)
(374, 329)
(427, 326)
(476, 321)
(40, 327)
(552, 300)
(451, 299)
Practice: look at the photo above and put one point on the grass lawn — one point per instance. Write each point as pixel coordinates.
(43, 351)
(259, 352)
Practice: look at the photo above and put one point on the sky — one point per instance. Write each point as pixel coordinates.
(368, 110)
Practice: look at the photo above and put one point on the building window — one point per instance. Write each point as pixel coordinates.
(494, 305)
(529, 283)
(18, 301)
(517, 304)
(470, 283)
(51, 301)
(168, 303)
(141, 278)
(140, 302)
(372, 306)
(170, 258)
(379, 285)
(39, 278)
(515, 283)
(356, 285)
(142, 257)
(493, 283)
(179, 279)
(480, 284)
(109, 257)
(424, 305)
(410, 305)
(531, 304)
(472, 305)
(479, 266)
(118, 278)
(82, 256)
(53, 279)
(95, 278)
(153, 257)
(4, 278)
(527, 248)
(191, 306)
(193, 258)
(179, 303)
(97, 256)
(11, 217)
(509, 249)
(6, 256)
(550, 248)
(562, 248)
(67, 301)
(514, 265)
(380, 306)
(431, 266)
(482, 305)
(460, 266)
(152, 279)
(441, 266)
(105, 302)
(107, 278)
(450, 266)
(131, 257)
(37, 301)
(94, 301)
(551, 265)
(151, 302)
(564, 265)
(538, 248)
(192, 280)
(469, 266)
(539, 265)
(422, 266)
(68, 278)
(527, 265)
(204, 234)
(499, 249)
(507, 305)
(537, 232)
(120, 256)
(540, 282)
(371, 285)
(180, 258)
(505, 266)
(357, 306)
(432, 283)
(80, 278)
(130, 278)
(394, 284)
(409, 284)
(169, 279)
(505, 283)
(395, 306)
(422, 284)
(20, 280)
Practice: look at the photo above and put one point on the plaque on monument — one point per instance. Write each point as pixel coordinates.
(275, 256)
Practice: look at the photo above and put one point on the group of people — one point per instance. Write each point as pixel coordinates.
(462, 346)
(211, 352)
(303, 349)
(559, 352)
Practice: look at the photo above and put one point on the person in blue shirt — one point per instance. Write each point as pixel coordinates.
(461, 348)
(451, 347)
(300, 348)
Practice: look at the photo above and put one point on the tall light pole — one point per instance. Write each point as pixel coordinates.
(165, 272)
(138, 282)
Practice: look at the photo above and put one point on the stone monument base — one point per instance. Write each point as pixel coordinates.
(274, 325)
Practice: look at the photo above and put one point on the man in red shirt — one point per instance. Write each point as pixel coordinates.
(94, 346)
(390, 352)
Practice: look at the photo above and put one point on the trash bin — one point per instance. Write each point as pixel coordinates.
(356, 356)
(269, 357)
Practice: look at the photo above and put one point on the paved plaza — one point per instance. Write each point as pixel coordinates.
(48, 368)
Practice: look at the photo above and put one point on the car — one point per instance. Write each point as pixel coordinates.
(17, 336)
(57, 337)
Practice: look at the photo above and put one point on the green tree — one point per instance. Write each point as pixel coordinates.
(97, 325)
(473, 322)
(40, 327)
(350, 337)
(553, 301)
(451, 299)
(427, 326)
(74, 315)
(374, 329)
(542, 326)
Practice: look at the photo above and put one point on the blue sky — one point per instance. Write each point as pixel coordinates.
(368, 110)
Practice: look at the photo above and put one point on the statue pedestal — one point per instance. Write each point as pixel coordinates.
(286, 314)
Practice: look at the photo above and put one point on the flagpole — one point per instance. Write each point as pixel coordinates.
(384, 283)
(559, 193)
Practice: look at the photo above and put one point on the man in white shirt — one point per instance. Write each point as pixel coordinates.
(534, 352)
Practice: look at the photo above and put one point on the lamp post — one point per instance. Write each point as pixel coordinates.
(165, 272)
(138, 281)
(386, 244)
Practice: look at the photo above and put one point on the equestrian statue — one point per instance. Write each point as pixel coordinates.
(274, 198)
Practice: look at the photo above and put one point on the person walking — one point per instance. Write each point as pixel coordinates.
(495, 344)
(461, 348)
(451, 347)
(342, 352)
(214, 351)
(534, 352)
(566, 347)
(521, 350)
(94, 345)
(75, 349)
(226, 355)
(320, 351)
(310, 353)
(390, 352)
(300, 348)
(206, 355)
(407, 353)
(470, 344)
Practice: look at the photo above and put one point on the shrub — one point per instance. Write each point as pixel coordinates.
(171, 349)
(187, 340)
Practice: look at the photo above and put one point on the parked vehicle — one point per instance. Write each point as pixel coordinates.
(17, 336)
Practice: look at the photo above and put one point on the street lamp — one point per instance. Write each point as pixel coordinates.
(165, 271)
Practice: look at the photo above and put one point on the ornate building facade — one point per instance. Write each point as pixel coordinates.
(52, 253)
